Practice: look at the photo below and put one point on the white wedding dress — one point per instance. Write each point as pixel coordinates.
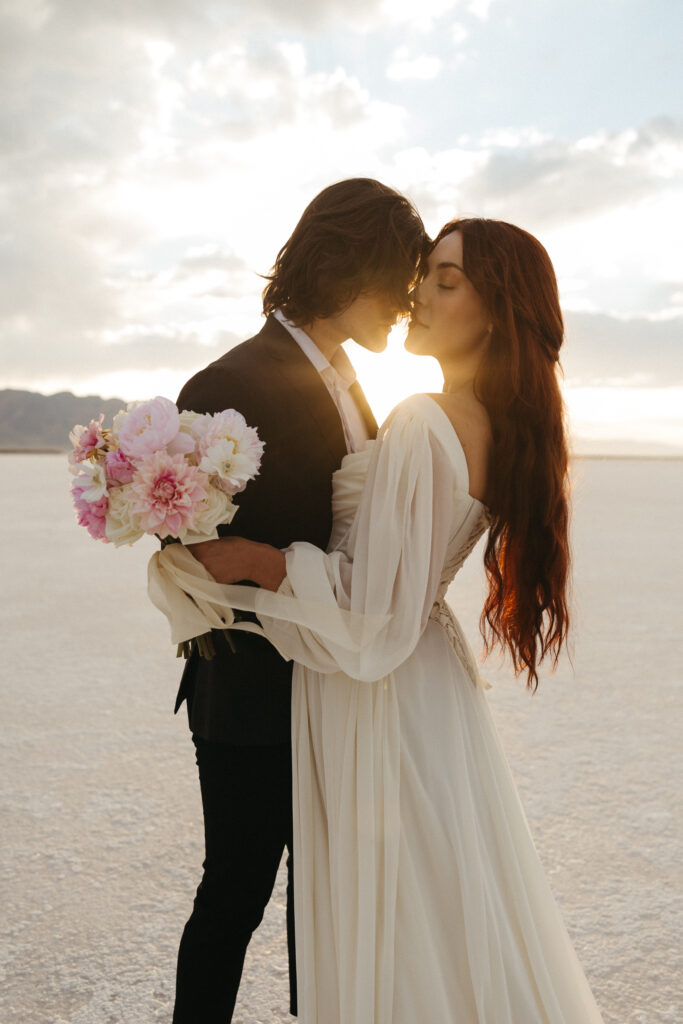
(419, 894)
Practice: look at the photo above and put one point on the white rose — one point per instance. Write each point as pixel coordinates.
(122, 525)
(216, 508)
(233, 469)
(187, 418)
(92, 479)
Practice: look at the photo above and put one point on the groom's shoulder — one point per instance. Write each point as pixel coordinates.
(248, 355)
(236, 373)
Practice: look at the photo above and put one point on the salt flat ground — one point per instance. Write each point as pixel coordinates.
(101, 825)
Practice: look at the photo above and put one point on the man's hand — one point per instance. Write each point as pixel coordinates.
(234, 559)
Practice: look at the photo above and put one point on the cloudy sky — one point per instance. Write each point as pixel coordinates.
(156, 154)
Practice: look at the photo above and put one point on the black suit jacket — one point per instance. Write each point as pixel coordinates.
(244, 697)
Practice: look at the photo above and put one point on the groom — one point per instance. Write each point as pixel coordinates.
(345, 273)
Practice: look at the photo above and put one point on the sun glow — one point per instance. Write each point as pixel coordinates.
(394, 374)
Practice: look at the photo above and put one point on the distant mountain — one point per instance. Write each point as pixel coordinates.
(29, 420)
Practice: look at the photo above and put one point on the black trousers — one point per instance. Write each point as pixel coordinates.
(247, 801)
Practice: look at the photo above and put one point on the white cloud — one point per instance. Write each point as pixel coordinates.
(551, 180)
(30, 13)
(625, 260)
(433, 180)
(517, 138)
(143, 189)
(405, 64)
(459, 33)
(193, 20)
(240, 93)
(547, 183)
(608, 351)
(423, 17)
(420, 16)
(156, 156)
(480, 8)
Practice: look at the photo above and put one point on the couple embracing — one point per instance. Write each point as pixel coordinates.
(350, 723)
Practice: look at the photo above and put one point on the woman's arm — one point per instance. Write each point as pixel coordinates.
(234, 559)
(360, 609)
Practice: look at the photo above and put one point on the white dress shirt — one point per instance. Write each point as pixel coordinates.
(338, 378)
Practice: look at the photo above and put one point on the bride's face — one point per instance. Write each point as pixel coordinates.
(450, 320)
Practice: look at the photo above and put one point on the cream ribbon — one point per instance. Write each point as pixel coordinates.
(182, 589)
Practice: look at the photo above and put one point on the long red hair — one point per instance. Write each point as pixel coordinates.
(527, 554)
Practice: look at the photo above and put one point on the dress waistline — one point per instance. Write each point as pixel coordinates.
(443, 614)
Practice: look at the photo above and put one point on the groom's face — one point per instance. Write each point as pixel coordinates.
(368, 320)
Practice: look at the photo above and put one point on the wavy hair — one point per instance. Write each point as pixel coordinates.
(356, 235)
(527, 557)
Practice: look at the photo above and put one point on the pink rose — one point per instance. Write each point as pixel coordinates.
(119, 468)
(167, 494)
(149, 428)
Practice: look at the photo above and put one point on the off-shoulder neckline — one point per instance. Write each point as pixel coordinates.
(450, 436)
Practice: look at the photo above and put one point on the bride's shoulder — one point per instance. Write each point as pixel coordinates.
(460, 425)
(471, 424)
(419, 406)
(413, 414)
(467, 416)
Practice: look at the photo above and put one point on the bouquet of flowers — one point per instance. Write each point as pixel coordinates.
(162, 472)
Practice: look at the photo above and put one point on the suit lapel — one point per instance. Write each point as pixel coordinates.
(303, 377)
(304, 380)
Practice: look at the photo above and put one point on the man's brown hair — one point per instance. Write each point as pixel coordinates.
(357, 235)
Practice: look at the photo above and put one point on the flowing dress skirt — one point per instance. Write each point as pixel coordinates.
(419, 893)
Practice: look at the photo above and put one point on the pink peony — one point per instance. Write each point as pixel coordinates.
(119, 469)
(86, 440)
(167, 494)
(148, 428)
(182, 444)
(90, 514)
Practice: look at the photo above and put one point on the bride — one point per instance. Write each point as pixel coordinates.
(419, 894)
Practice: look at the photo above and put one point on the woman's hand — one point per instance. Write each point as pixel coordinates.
(234, 559)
